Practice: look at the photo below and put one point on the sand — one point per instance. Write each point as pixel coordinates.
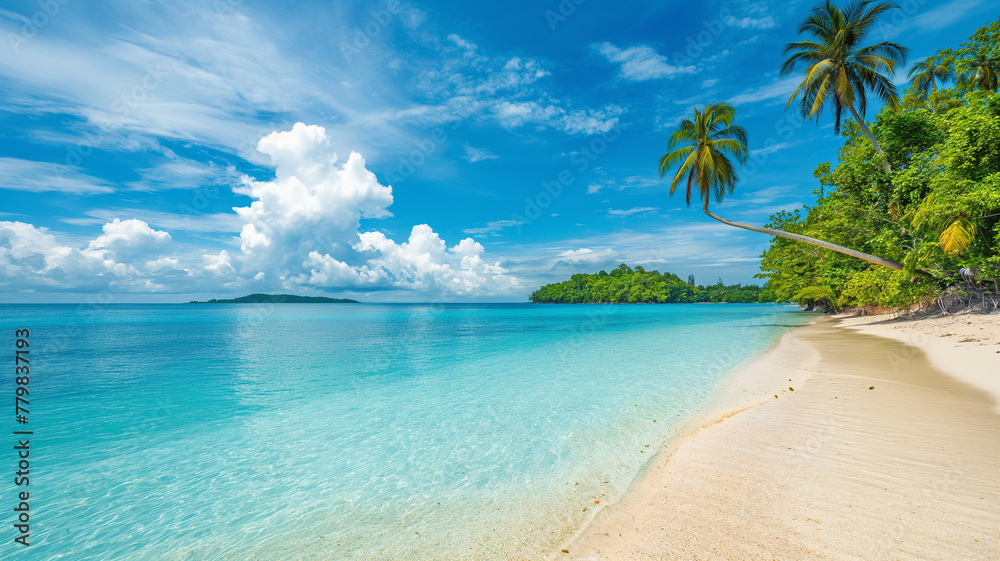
(965, 346)
(834, 469)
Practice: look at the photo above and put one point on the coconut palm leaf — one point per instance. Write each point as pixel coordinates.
(706, 150)
(926, 75)
(839, 68)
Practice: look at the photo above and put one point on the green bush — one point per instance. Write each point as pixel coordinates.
(884, 287)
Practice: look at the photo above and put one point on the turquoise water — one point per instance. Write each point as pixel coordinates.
(346, 431)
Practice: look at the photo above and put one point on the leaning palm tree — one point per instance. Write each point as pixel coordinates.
(979, 70)
(840, 68)
(703, 147)
(927, 74)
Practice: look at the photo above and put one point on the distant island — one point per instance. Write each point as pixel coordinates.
(278, 299)
(626, 285)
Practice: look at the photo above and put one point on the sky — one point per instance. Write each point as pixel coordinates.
(156, 151)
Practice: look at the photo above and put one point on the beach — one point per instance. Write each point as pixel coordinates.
(860, 438)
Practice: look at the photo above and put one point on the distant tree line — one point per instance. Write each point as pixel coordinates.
(627, 285)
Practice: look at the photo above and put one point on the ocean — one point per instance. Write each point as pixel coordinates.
(349, 431)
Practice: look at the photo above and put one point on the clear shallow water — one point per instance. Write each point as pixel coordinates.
(351, 431)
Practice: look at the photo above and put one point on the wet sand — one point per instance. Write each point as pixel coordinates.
(829, 470)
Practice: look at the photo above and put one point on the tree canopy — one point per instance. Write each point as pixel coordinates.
(625, 285)
(938, 210)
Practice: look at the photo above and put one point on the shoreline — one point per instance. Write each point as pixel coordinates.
(962, 345)
(829, 469)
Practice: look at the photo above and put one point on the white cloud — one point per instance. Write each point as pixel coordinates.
(770, 149)
(33, 259)
(29, 175)
(423, 262)
(709, 83)
(476, 155)
(179, 71)
(766, 22)
(590, 121)
(464, 83)
(620, 184)
(303, 228)
(207, 222)
(130, 239)
(492, 227)
(220, 265)
(629, 212)
(313, 204)
(777, 89)
(182, 173)
(468, 46)
(163, 263)
(584, 256)
(642, 62)
(300, 232)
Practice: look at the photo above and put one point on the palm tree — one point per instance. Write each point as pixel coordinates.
(703, 148)
(979, 71)
(926, 75)
(840, 68)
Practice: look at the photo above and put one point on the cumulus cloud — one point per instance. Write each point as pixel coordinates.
(32, 258)
(304, 228)
(128, 239)
(642, 62)
(313, 203)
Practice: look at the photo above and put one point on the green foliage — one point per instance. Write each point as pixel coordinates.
(625, 285)
(937, 211)
(701, 149)
(883, 287)
(813, 294)
(839, 64)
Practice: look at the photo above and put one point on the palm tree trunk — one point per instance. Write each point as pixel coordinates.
(807, 239)
(868, 133)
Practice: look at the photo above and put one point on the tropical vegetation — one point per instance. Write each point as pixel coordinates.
(840, 68)
(702, 148)
(627, 285)
(908, 213)
(937, 211)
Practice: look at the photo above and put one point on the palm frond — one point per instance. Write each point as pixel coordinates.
(839, 67)
(958, 236)
(712, 143)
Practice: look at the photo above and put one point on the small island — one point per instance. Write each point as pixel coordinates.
(278, 299)
(625, 285)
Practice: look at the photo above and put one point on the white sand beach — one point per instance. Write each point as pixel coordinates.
(883, 450)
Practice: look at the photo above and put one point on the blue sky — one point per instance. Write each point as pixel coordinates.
(443, 151)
